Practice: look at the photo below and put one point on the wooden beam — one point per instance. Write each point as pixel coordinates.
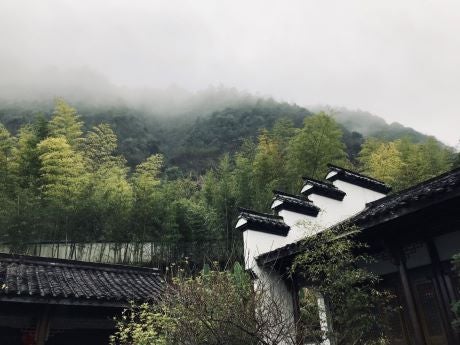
(64, 301)
(16, 321)
(82, 323)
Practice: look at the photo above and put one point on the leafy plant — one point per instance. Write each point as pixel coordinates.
(214, 307)
(332, 265)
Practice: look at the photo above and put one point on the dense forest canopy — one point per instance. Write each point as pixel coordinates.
(192, 130)
(123, 175)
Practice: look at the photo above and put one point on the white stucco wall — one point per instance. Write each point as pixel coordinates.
(257, 243)
(331, 211)
(300, 225)
(270, 282)
(356, 197)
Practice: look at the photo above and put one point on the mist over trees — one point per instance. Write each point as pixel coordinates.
(192, 130)
(128, 177)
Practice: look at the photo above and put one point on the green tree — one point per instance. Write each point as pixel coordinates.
(268, 170)
(283, 131)
(331, 268)
(7, 143)
(26, 156)
(219, 191)
(318, 143)
(63, 172)
(65, 123)
(369, 146)
(21, 219)
(244, 181)
(437, 159)
(402, 163)
(147, 196)
(112, 201)
(100, 145)
(385, 163)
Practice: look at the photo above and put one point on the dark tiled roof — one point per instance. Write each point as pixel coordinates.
(437, 189)
(295, 203)
(358, 179)
(323, 188)
(31, 278)
(263, 222)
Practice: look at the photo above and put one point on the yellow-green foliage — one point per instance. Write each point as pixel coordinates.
(65, 123)
(143, 325)
(402, 163)
(62, 171)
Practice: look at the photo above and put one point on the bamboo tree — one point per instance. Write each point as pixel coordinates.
(65, 123)
(318, 143)
(268, 170)
(6, 148)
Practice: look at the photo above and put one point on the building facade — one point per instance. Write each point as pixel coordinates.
(412, 234)
(67, 302)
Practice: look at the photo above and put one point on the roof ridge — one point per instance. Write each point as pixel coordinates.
(39, 260)
(261, 214)
(325, 183)
(295, 196)
(333, 166)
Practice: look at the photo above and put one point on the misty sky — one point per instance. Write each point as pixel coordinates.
(399, 59)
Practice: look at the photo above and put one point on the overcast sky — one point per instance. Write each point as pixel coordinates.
(399, 59)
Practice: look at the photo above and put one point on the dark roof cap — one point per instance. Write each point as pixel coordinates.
(358, 179)
(26, 278)
(263, 222)
(295, 203)
(323, 188)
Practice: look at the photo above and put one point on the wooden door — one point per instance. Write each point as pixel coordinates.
(429, 311)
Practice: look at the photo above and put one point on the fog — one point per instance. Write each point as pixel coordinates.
(396, 59)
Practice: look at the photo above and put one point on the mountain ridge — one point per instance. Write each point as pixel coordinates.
(200, 127)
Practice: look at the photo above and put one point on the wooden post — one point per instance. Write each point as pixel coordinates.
(296, 307)
(43, 327)
(441, 288)
(400, 259)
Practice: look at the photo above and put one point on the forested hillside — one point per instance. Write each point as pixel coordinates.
(192, 131)
(124, 175)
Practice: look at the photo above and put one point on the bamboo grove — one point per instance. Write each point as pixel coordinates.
(61, 183)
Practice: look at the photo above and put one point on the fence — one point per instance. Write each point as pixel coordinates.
(158, 254)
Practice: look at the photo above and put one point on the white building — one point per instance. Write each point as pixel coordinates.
(408, 222)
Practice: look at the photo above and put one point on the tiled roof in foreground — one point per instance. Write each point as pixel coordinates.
(437, 189)
(36, 279)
